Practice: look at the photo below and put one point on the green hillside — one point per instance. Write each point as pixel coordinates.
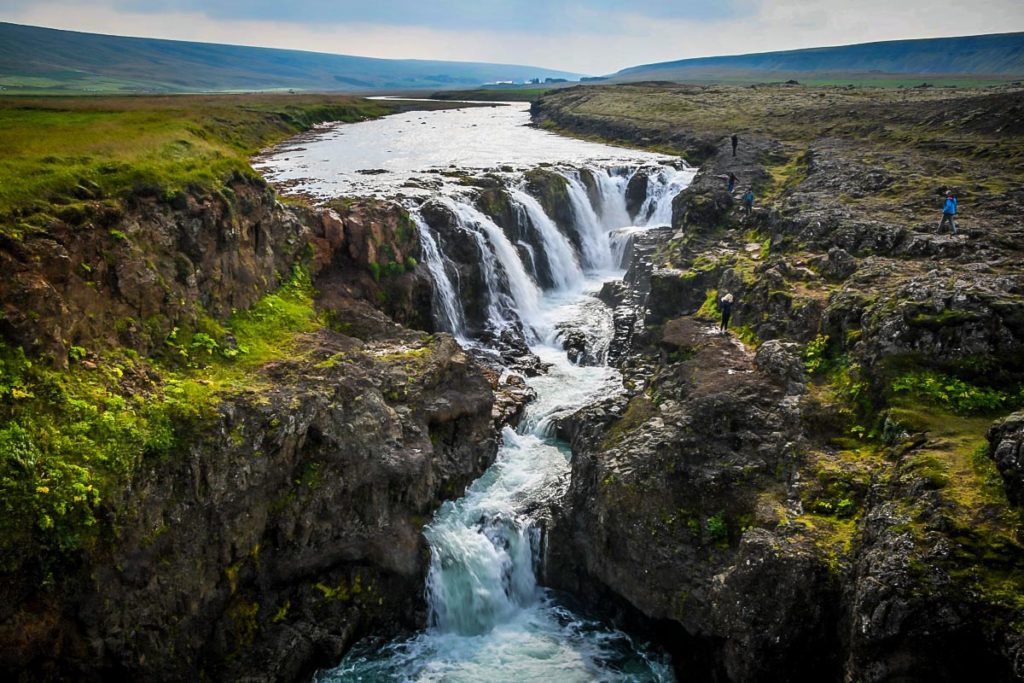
(46, 60)
(942, 60)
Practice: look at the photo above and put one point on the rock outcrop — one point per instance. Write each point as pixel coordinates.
(807, 499)
(285, 523)
(1006, 441)
(289, 528)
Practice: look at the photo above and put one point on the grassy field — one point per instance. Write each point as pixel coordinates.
(60, 149)
(852, 79)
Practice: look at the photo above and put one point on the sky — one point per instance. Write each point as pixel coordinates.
(592, 37)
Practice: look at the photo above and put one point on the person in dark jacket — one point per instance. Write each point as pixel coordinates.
(726, 304)
(732, 180)
(949, 212)
(735, 142)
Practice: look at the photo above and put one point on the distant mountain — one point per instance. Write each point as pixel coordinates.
(991, 55)
(34, 58)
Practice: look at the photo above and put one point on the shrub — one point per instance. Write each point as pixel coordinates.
(814, 354)
(956, 395)
(717, 528)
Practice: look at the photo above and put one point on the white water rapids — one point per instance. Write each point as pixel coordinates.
(489, 618)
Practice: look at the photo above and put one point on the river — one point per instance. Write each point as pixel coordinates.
(489, 618)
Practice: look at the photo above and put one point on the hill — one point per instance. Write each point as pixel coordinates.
(41, 60)
(999, 56)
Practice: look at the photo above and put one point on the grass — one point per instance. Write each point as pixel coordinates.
(986, 532)
(61, 150)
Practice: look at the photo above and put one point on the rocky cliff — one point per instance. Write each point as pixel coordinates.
(811, 497)
(263, 450)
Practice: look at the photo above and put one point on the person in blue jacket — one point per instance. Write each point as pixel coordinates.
(949, 212)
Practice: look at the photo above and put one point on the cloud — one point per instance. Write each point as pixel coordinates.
(587, 37)
(516, 15)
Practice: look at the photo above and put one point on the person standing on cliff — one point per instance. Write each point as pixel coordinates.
(949, 212)
(735, 143)
(732, 181)
(726, 304)
(748, 201)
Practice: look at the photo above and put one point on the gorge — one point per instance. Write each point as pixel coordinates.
(528, 283)
(446, 399)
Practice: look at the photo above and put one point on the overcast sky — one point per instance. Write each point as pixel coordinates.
(591, 36)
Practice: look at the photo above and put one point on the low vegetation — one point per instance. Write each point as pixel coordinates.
(71, 440)
(58, 151)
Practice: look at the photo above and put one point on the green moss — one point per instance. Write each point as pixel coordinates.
(639, 411)
(717, 529)
(947, 318)
(786, 177)
(282, 612)
(231, 573)
(833, 537)
(343, 592)
(70, 440)
(709, 310)
(243, 616)
(814, 353)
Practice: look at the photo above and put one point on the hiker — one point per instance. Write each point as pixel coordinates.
(748, 201)
(732, 181)
(726, 304)
(949, 212)
(735, 142)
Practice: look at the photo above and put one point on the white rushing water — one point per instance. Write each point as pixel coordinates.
(562, 260)
(489, 618)
(448, 309)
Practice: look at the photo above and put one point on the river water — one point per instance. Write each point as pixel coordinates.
(489, 618)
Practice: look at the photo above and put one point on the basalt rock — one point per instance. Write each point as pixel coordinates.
(370, 250)
(125, 275)
(288, 527)
(552, 191)
(636, 193)
(1006, 448)
(735, 501)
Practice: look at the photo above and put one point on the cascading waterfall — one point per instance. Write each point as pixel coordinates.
(593, 234)
(448, 313)
(497, 285)
(524, 291)
(489, 619)
(662, 188)
(611, 188)
(562, 259)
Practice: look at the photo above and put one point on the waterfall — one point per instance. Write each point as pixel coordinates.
(519, 284)
(489, 618)
(621, 241)
(539, 254)
(611, 188)
(562, 259)
(481, 569)
(447, 307)
(662, 188)
(495, 246)
(592, 231)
